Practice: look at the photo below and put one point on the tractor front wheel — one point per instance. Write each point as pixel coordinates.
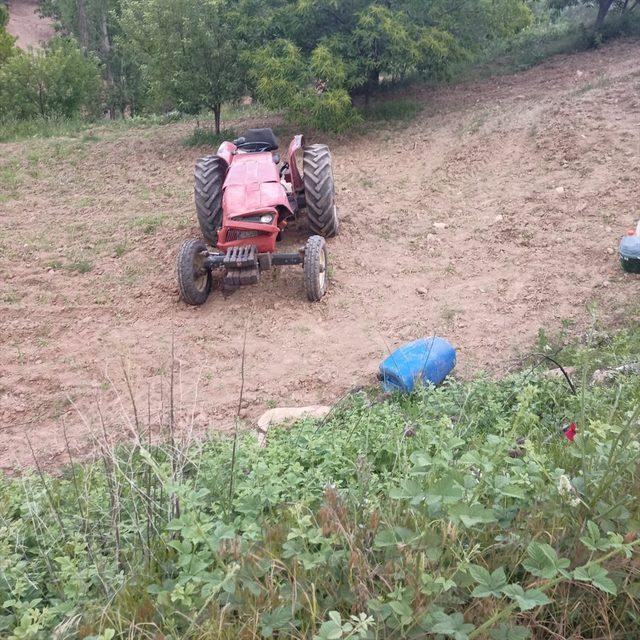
(194, 279)
(319, 191)
(208, 179)
(315, 268)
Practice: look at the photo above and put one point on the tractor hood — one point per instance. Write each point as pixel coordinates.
(252, 185)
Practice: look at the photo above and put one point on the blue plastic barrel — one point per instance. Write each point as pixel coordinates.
(630, 253)
(428, 360)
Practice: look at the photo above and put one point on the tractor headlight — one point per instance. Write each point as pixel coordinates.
(267, 218)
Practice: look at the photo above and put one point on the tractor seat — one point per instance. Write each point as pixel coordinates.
(257, 140)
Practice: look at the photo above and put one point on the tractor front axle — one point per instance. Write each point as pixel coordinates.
(234, 260)
(243, 264)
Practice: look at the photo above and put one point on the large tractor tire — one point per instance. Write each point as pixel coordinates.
(319, 191)
(208, 180)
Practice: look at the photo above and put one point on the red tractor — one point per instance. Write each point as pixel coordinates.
(245, 197)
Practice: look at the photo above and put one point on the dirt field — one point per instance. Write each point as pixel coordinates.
(26, 24)
(534, 175)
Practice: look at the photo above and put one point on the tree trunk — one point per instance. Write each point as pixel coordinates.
(105, 49)
(373, 81)
(216, 114)
(41, 100)
(83, 26)
(374, 78)
(603, 10)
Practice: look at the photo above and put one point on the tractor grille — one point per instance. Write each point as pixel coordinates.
(236, 234)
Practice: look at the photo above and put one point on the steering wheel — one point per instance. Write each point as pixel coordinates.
(252, 146)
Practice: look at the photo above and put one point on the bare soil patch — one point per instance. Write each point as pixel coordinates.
(534, 175)
(31, 29)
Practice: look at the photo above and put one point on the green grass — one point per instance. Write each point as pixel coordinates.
(10, 179)
(392, 110)
(601, 82)
(12, 297)
(14, 129)
(205, 137)
(149, 223)
(544, 40)
(121, 248)
(242, 111)
(80, 266)
(86, 130)
(459, 512)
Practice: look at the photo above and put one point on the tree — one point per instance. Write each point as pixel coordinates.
(604, 7)
(191, 51)
(7, 41)
(60, 81)
(96, 25)
(362, 42)
(310, 91)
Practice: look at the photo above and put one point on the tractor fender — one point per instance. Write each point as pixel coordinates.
(293, 173)
(226, 151)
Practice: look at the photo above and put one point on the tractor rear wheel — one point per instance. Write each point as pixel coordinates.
(319, 191)
(315, 268)
(208, 179)
(194, 279)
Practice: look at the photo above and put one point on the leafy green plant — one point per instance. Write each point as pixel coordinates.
(149, 223)
(80, 266)
(202, 137)
(191, 51)
(403, 516)
(390, 110)
(7, 41)
(60, 81)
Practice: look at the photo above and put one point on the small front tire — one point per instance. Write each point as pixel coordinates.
(315, 268)
(194, 279)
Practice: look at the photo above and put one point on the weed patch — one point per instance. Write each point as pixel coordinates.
(149, 224)
(392, 110)
(10, 179)
(18, 129)
(80, 266)
(461, 512)
(121, 248)
(201, 137)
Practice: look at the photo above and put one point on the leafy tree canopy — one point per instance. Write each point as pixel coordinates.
(60, 81)
(7, 41)
(191, 50)
(604, 6)
(308, 57)
(345, 47)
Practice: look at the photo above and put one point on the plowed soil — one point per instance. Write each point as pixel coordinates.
(495, 212)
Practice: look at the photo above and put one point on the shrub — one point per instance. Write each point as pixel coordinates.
(7, 41)
(204, 137)
(60, 81)
(284, 81)
(388, 110)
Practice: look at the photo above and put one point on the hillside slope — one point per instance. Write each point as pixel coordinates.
(27, 25)
(535, 176)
